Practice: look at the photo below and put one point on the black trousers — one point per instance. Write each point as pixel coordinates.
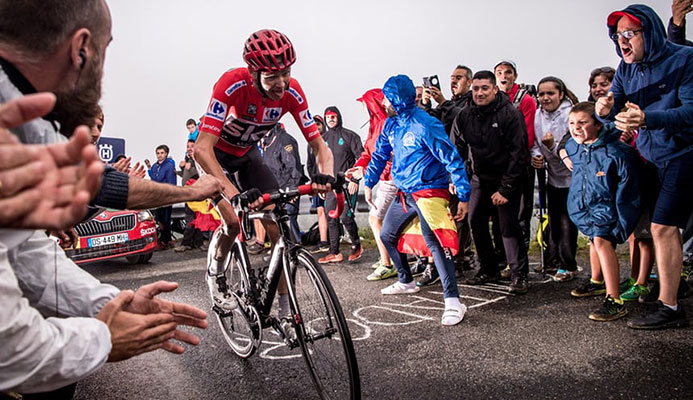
(480, 211)
(562, 232)
(527, 203)
(64, 393)
(333, 225)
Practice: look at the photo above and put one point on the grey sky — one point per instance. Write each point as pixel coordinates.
(167, 54)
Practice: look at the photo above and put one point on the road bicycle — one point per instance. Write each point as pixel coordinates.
(316, 324)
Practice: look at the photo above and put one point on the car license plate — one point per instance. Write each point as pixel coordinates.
(110, 239)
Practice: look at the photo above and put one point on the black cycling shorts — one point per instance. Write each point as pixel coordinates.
(246, 172)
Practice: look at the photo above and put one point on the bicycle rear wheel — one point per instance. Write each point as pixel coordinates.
(322, 331)
(241, 326)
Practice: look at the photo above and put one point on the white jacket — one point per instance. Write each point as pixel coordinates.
(39, 350)
(555, 122)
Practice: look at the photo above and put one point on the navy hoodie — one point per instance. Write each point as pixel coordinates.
(662, 85)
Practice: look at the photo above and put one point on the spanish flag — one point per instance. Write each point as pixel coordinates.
(433, 204)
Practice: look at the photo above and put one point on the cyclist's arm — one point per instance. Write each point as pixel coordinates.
(323, 155)
(205, 158)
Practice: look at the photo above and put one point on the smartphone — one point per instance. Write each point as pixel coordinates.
(432, 80)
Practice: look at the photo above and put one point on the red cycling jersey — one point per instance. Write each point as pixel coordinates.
(240, 116)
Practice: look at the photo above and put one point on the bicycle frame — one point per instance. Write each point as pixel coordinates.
(266, 285)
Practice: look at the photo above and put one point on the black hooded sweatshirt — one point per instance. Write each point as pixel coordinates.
(493, 142)
(345, 144)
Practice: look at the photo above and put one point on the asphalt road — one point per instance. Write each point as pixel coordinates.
(541, 345)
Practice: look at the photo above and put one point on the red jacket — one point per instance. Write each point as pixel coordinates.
(373, 100)
(528, 108)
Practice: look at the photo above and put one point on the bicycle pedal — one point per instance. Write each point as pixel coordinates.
(221, 312)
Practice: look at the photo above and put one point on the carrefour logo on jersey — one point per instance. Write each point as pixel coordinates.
(272, 114)
(296, 95)
(235, 87)
(306, 118)
(216, 110)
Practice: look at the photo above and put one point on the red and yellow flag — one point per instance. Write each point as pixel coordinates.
(433, 204)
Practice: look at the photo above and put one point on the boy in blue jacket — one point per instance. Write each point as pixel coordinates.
(604, 197)
(423, 163)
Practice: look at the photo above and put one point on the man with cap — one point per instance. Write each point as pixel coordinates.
(654, 82)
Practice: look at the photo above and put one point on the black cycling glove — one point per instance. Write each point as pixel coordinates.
(322, 179)
(251, 195)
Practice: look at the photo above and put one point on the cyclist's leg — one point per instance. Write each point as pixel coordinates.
(255, 174)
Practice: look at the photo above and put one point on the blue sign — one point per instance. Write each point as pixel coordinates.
(110, 148)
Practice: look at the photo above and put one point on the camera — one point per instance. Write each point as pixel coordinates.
(429, 81)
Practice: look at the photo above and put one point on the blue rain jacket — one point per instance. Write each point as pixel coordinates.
(662, 85)
(604, 195)
(422, 154)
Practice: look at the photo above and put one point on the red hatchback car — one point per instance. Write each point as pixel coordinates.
(111, 234)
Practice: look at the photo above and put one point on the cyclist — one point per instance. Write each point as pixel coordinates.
(246, 103)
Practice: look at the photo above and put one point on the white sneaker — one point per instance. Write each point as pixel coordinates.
(223, 300)
(401, 288)
(453, 316)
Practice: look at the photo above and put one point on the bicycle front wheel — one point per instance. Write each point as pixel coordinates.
(322, 331)
(240, 326)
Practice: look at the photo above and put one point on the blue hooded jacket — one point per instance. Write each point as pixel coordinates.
(662, 86)
(422, 154)
(604, 195)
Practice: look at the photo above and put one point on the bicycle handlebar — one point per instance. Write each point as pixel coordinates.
(286, 194)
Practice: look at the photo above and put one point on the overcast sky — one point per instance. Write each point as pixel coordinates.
(167, 54)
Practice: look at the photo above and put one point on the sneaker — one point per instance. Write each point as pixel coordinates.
(626, 284)
(377, 264)
(686, 269)
(609, 311)
(255, 248)
(429, 276)
(331, 258)
(356, 253)
(418, 268)
(519, 285)
(651, 297)
(589, 288)
(660, 317)
(320, 248)
(563, 275)
(382, 272)
(453, 316)
(182, 248)
(219, 292)
(401, 288)
(505, 273)
(481, 278)
(635, 292)
(685, 291)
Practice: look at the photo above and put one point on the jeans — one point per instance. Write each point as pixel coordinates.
(163, 217)
(480, 210)
(396, 219)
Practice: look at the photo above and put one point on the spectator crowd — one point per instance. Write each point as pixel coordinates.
(451, 184)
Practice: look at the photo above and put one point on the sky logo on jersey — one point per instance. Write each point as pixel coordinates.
(296, 95)
(272, 114)
(216, 110)
(306, 118)
(235, 87)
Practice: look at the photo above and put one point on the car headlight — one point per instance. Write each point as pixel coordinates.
(144, 215)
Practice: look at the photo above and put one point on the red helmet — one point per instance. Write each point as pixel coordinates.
(268, 50)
